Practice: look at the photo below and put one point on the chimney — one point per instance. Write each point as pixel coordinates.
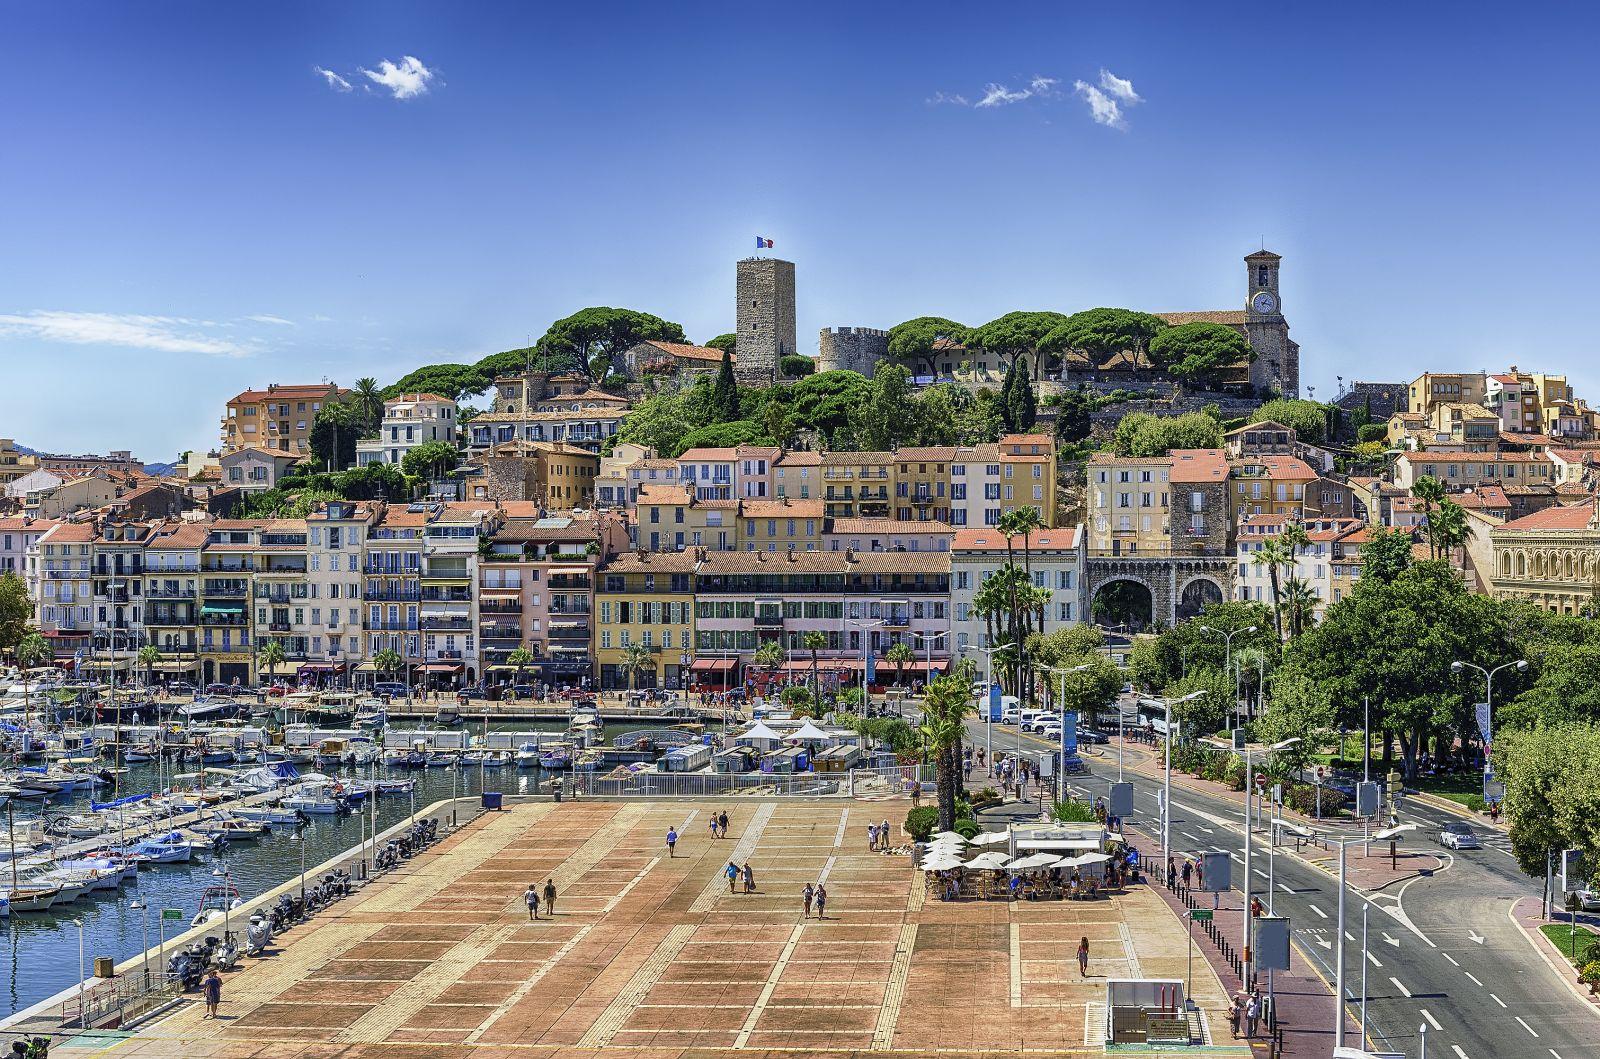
(761, 557)
(793, 557)
(849, 555)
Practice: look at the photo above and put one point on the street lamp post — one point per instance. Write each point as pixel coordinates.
(988, 724)
(83, 1011)
(1061, 712)
(144, 910)
(1227, 643)
(1488, 699)
(928, 639)
(1166, 776)
(1338, 970)
(1249, 785)
(866, 688)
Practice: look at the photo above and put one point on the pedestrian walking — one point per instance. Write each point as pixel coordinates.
(530, 897)
(1235, 1010)
(212, 987)
(1083, 958)
(806, 896)
(722, 821)
(732, 872)
(713, 825)
(822, 901)
(749, 879)
(883, 836)
(550, 897)
(672, 841)
(1188, 872)
(872, 836)
(1172, 866)
(1252, 1014)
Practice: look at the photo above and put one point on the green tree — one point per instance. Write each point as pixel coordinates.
(334, 432)
(1022, 407)
(943, 724)
(899, 655)
(796, 365)
(31, 652)
(148, 656)
(454, 381)
(815, 641)
(521, 658)
(1016, 334)
(1565, 689)
(596, 336)
(1386, 554)
(431, 459)
(1274, 554)
(919, 343)
(388, 662)
(1196, 354)
(728, 343)
(658, 421)
(1308, 418)
(886, 417)
(721, 436)
(636, 659)
(1074, 410)
(1213, 711)
(269, 658)
(16, 610)
(725, 394)
(1552, 778)
(1142, 434)
(1101, 334)
(769, 655)
(368, 399)
(375, 481)
(824, 402)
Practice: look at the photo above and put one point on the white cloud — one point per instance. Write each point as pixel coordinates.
(954, 100)
(1119, 87)
(999, 95)
(1043, 86)
(268, 318)
(161, 334)
(1102, 108)
(335, 82)
(404, 80)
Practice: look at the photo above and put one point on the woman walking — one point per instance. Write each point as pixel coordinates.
(530, 897)
(749, 879)
(550, 897)
(212, 987)
(806, 896)
(1083, 958)
(822, 901)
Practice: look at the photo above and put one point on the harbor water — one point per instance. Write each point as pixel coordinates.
(42, 948)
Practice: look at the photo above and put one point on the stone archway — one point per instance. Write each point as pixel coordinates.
(1196, 596)
(1123, 601)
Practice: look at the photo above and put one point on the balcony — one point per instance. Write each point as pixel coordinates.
(896, 621)
(113, 570)
(447, 595)
(392, 626)
(508, 606)
(433, 624)
(569, 631)
(769, 620)
(564, 582)
(66, 575)
(278, 626)
(392, 595)
(224, 621)
(169, 591)
(447, 654)
(500, 632)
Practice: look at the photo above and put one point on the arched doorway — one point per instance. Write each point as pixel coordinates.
(1196, 596)
(1123, 602)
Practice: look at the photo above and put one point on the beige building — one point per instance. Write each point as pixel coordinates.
(409, 420)
(1550, 558)
(1130, 504)
(1458, 470)
(253, 469)
(14, 464)
(1435, 388)
(278, 417)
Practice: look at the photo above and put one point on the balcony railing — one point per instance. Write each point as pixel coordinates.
(392, 626)
(392, 595)
(215, 591)
(513, 606)
(431, 624)
(447, 595)
(278, 626)
(170, 592)
(500, 632)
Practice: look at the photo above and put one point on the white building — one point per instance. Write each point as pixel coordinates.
(408, 421)
(1055, 557)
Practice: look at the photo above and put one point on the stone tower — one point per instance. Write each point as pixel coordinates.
(851, 349)
(1277, 363)
(764, 289)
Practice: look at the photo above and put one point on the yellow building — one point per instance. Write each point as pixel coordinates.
(1550, 558)
(857, 484)
(564, 474)
(1469, 425)
(1028, 474)
(1129, 505)
(781, 525)
(1271, 485)
(669, 518)
(14, 464)
(645, 600)
(278, 417)
(1435, 388)
(922, 484)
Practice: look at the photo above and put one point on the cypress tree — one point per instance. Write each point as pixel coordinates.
(1007, 390)
(725, 394)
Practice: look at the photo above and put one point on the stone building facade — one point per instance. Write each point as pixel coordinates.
(858, 349)
(1550, 558)
(764, 291)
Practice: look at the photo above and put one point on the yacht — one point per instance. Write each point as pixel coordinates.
(555, 756)
(527, 756)
(27, 899)
(170, 848)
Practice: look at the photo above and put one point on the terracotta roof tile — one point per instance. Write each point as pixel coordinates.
(1575, 517)
(685, 351)
(990, 539)
(1199, 465)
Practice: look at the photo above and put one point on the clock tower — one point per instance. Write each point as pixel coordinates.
(1277, 363)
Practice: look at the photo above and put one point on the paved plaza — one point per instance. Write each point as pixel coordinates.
(652, 956)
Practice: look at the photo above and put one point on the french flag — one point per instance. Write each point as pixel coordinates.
(763, 243)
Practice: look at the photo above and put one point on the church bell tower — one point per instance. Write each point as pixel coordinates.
(1277, 363)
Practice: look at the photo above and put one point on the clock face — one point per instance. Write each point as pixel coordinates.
(1264, 303)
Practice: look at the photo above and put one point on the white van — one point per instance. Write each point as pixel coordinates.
(1010, 709)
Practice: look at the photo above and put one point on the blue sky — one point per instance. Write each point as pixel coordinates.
(193, 208)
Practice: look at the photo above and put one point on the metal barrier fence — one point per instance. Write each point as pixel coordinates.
(113, 1001)
(652, 783)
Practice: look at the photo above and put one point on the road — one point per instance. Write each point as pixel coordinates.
(1442, 950)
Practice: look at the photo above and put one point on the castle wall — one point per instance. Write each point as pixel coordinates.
(852, 349)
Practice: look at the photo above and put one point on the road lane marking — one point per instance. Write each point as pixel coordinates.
(1317, 910)
(1375, 961)
(1525, 1026)
(1259, 872)
(1449, 957)
(1431, 1020)
(1285, 889)
(1400, 985)
(1457, 1049)
(1497, 1000)
(1555, 1053)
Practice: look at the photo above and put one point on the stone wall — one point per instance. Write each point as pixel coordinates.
(508, 478)
(764, 290)
(851, 349)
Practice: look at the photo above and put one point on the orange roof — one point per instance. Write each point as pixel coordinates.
(1278, 466)
(1474, 457)
(1199, 465)
(709, 454)
(292, 393)
(786, 508)
(889, 525)
(1231, 317)
(1483, 497)
(1576, 517)
(73, 533)
(181, 535)
(685, 351)
(17, 523)
(929, 454)
(804, 458)
(990, 539)
(663, 493)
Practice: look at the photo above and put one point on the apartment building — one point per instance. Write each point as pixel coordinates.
(672, 518)
(798, 475)
(1055, 558)
(886, 535)
(745, 472)
(172, 597)
(64, 596)
(254, 469)
(336, 535)
(118, 553)
(857, 484)
(1271, 485)
(1465, 427)
(1435, 388)
(281, 597)
(227, 569)
(391, 593)
(409, 420)
(278, 417)
(612, 487)
(781, 525)
(13, 463)
(448, 610)
(646, 600)
(1329, 563)
(1130, 504)
(1459, 470)
(18, 535)
(922, 483)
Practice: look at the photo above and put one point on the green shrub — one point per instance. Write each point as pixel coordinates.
(1372, 432)
(967, 828)
(1590, 975)
(1476, 803)
(986, 796)
(1072, 812)
(1302, 798)
(1590, 954)
(921, 821)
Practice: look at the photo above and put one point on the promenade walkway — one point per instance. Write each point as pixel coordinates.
(651, 956)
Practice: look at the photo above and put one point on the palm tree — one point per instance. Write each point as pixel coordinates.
(1273, 553)
(899, 655)
(943, 723)
(814, 641)
(636, 659)
(270, 658)
(149, 655)
(31, 651)
(522, 658)
(1300, 602)
(769, 656)
(369, 399)
(1430, 491)
(388, 662)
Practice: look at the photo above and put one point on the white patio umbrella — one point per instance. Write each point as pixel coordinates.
(991, 861)
(949, 836)
(990, 838)
(1033, 860)
(941, 863)
(1094, 858)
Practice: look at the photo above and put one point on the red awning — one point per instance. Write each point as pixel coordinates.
(713, 665)
(441, 667)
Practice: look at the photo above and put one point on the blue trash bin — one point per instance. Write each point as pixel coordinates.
(492, 799)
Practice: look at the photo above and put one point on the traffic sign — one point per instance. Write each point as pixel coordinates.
(1261, 782)
(172, 913)
(1200, 915)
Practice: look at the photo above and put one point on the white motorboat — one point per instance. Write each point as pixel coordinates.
(267, 814)
(170, 848)
(527, 756)
(28, 899)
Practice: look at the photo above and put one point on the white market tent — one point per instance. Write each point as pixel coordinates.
(810, 733)
(759, 736)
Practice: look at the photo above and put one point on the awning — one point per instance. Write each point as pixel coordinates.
(554, 570)
(441, 667)
(282, 669)
(176, 667)
(369, 666)
(570, 648)
(222, 608)
(321, 667)
(1057, 843)
(713, 665)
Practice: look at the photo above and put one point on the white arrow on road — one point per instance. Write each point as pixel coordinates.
(1392, 941)
(1326, 944)
(1475, 938)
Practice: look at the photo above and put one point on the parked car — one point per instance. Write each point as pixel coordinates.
(181, 687)
(1588, 900)
(1089, 735)
(1459, 836)
(392, 688)
(1050, 730)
